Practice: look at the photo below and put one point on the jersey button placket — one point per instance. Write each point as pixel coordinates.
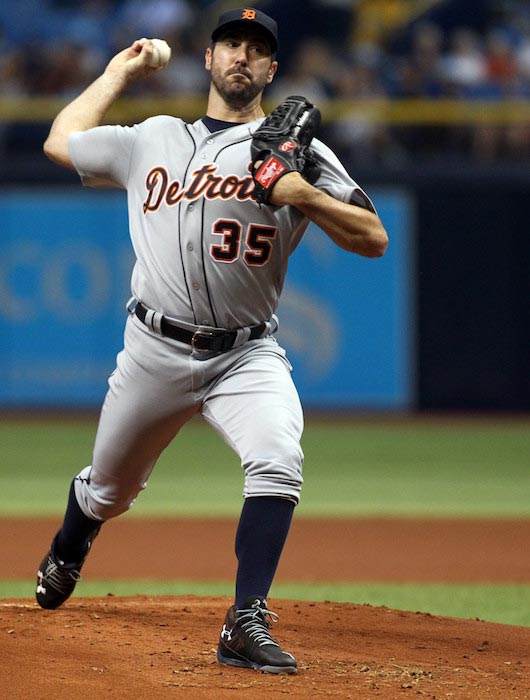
(194, 263)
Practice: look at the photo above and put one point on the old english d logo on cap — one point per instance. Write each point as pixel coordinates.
(241, 18)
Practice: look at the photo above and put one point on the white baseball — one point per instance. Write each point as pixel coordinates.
(161, 53)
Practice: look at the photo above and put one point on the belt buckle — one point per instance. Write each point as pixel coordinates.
(197, 336)
(131, 305)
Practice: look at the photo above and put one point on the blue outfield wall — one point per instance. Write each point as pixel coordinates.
(348, 323)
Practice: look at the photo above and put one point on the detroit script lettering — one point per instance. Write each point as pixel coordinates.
(204, 182)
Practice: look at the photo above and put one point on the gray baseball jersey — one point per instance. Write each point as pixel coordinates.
(206, 252)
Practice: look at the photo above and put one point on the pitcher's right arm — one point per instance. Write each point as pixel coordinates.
(89, 109)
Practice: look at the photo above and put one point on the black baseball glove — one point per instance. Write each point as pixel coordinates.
(281, 145)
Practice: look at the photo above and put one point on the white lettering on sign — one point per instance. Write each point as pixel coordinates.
(72, 282)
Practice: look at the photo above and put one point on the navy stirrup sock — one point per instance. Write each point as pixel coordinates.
(73, 540)
(260, 537)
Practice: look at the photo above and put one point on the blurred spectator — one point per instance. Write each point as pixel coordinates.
(419, 74)
(90, 23)
(11, 69)
(503, 81)
(151, 18)
(185, 72)
(56, 69)
(464, 65)
(522, 57)
(363, 140)
(311, 72)
(500, 58)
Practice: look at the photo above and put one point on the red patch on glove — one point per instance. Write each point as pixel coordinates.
(269, 171)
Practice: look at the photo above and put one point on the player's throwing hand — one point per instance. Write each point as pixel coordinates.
(143, 58)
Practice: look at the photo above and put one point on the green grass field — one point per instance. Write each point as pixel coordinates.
(366, 467)
(458, 468)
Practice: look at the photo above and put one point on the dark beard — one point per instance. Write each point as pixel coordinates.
(238, 94)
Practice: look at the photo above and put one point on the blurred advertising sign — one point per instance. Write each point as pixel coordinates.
(65, 262)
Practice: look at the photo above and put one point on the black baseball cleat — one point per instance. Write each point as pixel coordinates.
(56, 579)
(245, 640)
(55, 582)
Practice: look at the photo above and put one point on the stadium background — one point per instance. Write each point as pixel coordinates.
(427, 99)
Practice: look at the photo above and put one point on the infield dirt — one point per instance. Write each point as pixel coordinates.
(164, 647)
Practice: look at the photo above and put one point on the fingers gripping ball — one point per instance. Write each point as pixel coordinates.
(161, 53)
(281, 145)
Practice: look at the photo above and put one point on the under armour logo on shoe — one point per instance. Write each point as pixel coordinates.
(40, 587)
(226, 633)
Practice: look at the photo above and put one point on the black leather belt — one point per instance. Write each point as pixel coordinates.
(205, 340)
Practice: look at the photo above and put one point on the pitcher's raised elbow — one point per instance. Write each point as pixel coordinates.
(51, 151)
(378, 245)
(57, 153)
(381, 247)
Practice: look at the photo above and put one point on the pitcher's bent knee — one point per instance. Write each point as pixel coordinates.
(272, 478)
(102, 501)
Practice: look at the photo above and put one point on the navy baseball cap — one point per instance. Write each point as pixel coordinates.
(245, 17)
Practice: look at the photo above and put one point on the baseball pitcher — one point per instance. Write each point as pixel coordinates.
(215, 209)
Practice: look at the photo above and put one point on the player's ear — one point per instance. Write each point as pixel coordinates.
(272, 71)
(208, 59)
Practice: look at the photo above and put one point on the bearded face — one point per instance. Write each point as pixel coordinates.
(240, 68)
(238, 86)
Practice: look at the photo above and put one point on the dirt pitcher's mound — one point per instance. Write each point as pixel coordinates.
(147, 648)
